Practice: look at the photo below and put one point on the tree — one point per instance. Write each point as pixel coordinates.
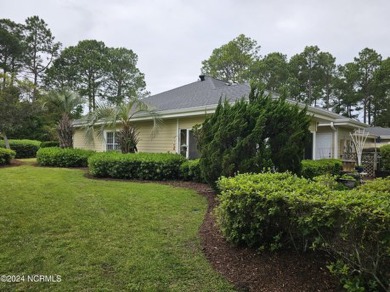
(304, 67)
(123, 77)
(272, 71)
(367, 63)
(108, 116)
(327, 73)
(251, 136)
(83, 68)
(346, 98)
(68, 104)
(232, 61)
(40, 48)
(14, 111)
(381, 101)
(11, 49)
(96, 71)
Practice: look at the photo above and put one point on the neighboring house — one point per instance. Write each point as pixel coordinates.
(378, 137)
(183, 107)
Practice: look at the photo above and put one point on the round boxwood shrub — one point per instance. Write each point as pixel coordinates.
(63, 157)
(144, 166)
(6, 155)
(23, 148)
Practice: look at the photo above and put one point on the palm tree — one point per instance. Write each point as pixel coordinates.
(108, 116)
(67, 103)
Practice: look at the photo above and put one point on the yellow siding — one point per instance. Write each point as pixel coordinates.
(163, 141)
(80, 141)
(188, 123)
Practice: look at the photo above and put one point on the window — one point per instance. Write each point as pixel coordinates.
(188, 145)
(111, 142)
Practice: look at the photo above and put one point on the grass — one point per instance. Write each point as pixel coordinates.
(100, 235)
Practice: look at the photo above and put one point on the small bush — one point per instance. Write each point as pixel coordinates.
(283, 211)
(385, 157)
(23, 148)
(313, 168)
(144, 166)
(190, 171)
(47, 144)
(63, 157)
(6, 155)
(377, 185)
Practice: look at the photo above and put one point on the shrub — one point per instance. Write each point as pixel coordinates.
(190, 171)
(253, 135)
(47, 144)
(6, 155)
(23, 148)
(283, 211)
(377, 185)
(385, 156)
(313, 168)
(144, 166)
(63, 157)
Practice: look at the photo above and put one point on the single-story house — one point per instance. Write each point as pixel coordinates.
(378, 137)
(183, 107)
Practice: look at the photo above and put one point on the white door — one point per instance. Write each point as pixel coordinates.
(324, 144)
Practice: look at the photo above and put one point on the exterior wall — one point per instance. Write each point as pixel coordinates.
(163, 140)
(332, 144)
(80, 141)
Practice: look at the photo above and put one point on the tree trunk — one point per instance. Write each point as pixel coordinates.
(65, 132)
(6, 142)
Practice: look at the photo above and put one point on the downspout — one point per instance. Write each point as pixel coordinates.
(335, 140)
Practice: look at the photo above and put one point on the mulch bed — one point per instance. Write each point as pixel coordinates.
(249, 270)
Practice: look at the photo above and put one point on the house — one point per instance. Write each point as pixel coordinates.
(183, 107)
(378, 137)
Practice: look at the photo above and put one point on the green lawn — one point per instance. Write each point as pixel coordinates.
(100, 235)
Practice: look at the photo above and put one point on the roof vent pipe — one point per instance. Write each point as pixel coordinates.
(202, 77)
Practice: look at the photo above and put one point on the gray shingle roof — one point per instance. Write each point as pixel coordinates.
(197, 94)
(379, 131)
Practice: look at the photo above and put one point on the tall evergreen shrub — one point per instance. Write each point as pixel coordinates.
(251, 136)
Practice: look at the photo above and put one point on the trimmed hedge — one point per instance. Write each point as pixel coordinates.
(47, 144)
(23, 148)
(385, 156)
(63, 157)
(377, 185)
(190, 171)
(143, 166)
(313, 168)
(6, 155)
(273, 211)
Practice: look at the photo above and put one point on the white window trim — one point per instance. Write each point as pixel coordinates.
(179, 143)
(105, 139)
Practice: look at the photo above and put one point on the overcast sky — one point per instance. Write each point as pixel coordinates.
(173, 37)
